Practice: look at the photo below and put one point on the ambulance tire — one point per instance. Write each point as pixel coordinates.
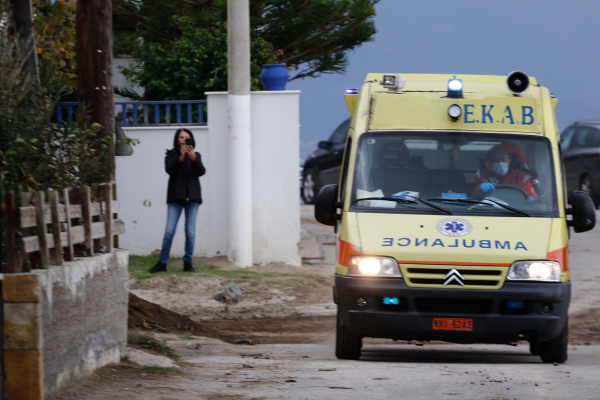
(347, 346)
(555, 350)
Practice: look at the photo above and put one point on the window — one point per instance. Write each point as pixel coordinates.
(592, 138)
(566, 137)
(447, 169)
(339, 135)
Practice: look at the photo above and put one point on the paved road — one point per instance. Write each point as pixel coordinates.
(399, 372)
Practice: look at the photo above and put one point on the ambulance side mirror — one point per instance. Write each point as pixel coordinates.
(583, 211)
(325, 205)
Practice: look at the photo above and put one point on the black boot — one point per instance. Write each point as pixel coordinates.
(159, 267)
(187, 267)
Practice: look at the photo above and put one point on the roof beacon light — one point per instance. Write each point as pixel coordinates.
(351, 91)
(454, 111)
(394, 82)
(517, 82)
(455, 87)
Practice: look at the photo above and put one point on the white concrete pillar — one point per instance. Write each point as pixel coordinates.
(240, 181)
(240, 151)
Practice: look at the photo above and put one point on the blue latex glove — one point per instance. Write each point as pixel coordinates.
(529, 200)
(487, 187)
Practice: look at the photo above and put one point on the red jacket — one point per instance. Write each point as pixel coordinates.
(514, 177)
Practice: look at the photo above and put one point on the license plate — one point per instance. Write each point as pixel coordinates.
(452, 324)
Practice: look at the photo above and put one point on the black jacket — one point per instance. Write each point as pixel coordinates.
(184, 184)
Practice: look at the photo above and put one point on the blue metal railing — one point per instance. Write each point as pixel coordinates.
(140, 113)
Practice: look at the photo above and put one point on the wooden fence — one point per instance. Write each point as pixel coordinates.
(51, 227)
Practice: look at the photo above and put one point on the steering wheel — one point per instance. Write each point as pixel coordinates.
(513, 187)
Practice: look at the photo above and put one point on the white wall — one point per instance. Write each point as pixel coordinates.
(142, 182)
(119, 79)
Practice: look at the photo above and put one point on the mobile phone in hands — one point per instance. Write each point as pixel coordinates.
(189, 142)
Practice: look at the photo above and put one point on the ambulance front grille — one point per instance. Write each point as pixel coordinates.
(463, 277)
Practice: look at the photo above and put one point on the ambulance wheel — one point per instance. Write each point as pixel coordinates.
(555, 350)
(310, 187)
(347, 346)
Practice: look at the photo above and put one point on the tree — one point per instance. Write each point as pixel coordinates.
(185, 38)
(95, 69)
(34, 153)
(55, 39)
(313, 37)
(194, 63)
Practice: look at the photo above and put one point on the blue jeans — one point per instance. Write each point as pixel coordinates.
(173, 213)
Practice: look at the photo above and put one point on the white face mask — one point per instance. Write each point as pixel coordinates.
(500, 168)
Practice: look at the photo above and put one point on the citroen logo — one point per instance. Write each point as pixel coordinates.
(454, 275)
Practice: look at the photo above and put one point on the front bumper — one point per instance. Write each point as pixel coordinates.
(493, 321)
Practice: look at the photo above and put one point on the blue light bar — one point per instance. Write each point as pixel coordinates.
(351, 91)
(455, 87)
(391, 300)
(515, 304)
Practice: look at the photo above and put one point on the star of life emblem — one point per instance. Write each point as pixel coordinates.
(454, 227)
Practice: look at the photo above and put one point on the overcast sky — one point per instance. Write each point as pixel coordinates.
(555, 41)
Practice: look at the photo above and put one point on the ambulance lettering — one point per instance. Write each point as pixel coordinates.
(527, 115)
(485, 115)
(463, 243)
(508, 117)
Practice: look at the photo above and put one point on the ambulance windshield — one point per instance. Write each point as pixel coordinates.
(454, 173)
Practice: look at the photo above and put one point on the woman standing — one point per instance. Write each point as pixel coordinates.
(184, 167)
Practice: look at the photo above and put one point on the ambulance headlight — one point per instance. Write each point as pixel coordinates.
(394, 81)
(454, 111)
(545, 271)
(373, 266)
(455, 87)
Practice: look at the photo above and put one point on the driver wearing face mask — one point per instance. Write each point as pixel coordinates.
(497, 171)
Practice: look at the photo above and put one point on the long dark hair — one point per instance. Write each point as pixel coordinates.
(176, 142)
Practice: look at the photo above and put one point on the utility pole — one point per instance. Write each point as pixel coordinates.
(94, 64)
(240, 156)
(22, 24)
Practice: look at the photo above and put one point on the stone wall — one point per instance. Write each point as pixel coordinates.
(84, 314)
(23, 343)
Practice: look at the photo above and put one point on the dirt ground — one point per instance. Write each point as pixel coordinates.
(296, 309)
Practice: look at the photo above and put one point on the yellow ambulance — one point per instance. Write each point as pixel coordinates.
(451, 214)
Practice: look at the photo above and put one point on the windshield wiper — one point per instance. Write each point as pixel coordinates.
(442, 209)
(397, 200)
(516, 210)
(412, 200)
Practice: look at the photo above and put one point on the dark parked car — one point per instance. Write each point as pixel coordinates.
(580, 144)
(323, 166)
